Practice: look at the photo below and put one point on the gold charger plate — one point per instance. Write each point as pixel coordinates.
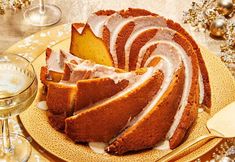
(36, 123)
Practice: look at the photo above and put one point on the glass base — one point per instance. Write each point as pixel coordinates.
(51, 15)
(20, 149)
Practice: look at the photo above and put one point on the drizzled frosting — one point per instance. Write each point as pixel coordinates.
(87, 68)
(116, 22)
(96, 24)
(99, 71)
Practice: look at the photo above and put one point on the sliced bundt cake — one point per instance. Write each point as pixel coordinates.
(130, 110)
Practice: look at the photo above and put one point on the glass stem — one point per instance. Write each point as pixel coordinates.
(41, 7)
(6, 136)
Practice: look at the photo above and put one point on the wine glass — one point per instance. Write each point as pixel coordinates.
(43, 15)
(18, 89)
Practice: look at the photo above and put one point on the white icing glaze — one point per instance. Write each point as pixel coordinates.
(163, 145)
(172, 55)
(67, 57)
(56, 60)
(157, 38)
(68, 83)
(115, 24)
(143, 23)
(201, 87)
(184, 99)
(98, 147)
(85, 69)
(54, 63)
(139, 80)
(130, 41)
(160, 35)
(96, 24)
(99, 71)
(200, 110)
(42, 105)
(80, 29)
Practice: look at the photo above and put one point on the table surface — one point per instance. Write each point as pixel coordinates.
(13, 27)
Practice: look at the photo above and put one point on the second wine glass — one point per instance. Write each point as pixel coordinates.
(43, 14)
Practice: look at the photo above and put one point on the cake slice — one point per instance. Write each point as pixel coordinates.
(104, 120)
(94, 90)
(53, 71)
(60, 98)
(86, 45)
(152, 125)
(65, 99)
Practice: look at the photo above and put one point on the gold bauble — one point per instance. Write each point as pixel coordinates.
(218, 27)
(225, 7)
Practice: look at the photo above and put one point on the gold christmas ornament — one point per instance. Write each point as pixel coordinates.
(2, 11)
(218, 27)
(12, 4)
(225, 7)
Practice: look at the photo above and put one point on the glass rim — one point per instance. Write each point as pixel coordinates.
(34, 78)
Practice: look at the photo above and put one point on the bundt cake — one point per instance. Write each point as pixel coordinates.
(132, 80)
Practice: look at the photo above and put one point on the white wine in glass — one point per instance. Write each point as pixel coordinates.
(18, 89)
(43, 14)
